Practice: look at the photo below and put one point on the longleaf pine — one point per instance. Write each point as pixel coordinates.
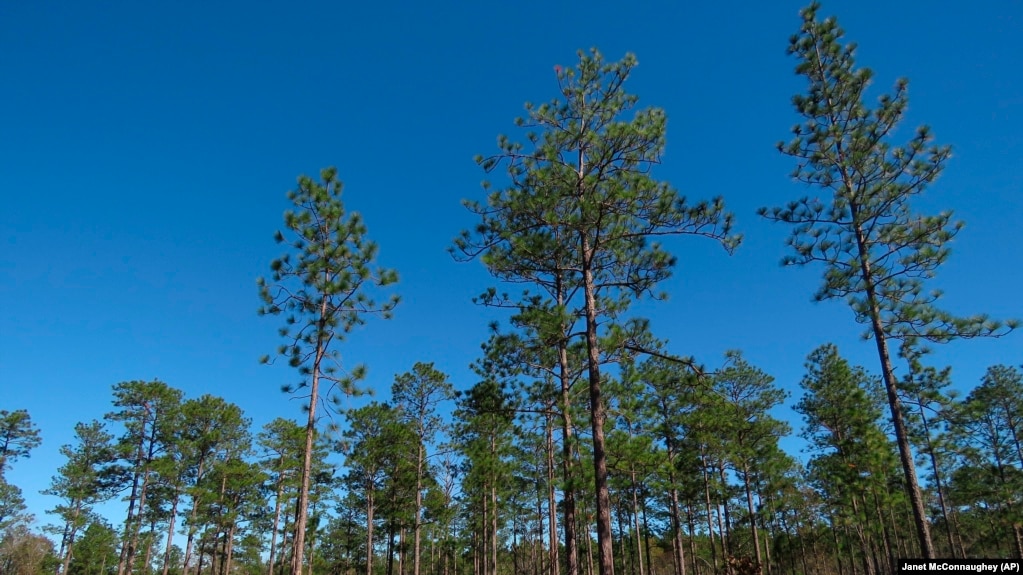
(323, 288)
(581, 190)
(876, 252)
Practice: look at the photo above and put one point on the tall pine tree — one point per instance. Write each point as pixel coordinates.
(323, 288)
(875, 251)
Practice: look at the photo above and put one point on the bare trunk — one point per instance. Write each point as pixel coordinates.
(68, 541)
(230, 549)
(132, 500)
(369, 533)
(192, 527)
(710, 516)
(571, 548)
(552, 516)
(170, 532)
(752, 517)
(605, 546)
(493, 532)
(419, 510)
(635, 518)
(277, 519)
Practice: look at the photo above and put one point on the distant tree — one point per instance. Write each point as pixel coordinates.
(582, 190)
(323, 288)
(212, 430)
(149, 411)
(876, 252)
(12, 504)
(417, 394)
(484, 434)
(752, 433)
(25, 553)
(18, 437)
(81, 482)
(96, 551)
(991, 420)
(377, 444)
(282, 442)
(842, 406)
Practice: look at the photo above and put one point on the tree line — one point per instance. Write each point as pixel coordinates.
(586, 444)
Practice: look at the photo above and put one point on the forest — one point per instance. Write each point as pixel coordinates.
(586, 445)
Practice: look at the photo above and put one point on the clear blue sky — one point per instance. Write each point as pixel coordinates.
(146, 149)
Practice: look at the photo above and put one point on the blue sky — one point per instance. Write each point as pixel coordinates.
(146, 150)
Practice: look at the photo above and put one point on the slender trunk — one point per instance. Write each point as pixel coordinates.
(726, 536)
(310, 433)
(150, 541)
(710, 516)
(277, 519)
(132, 498)
(202, 552)
(552, 516)
(691, 523)
(369, 532)
(64, 551)
(569, 521)
(862, 538)
(603, 498)
(419, 509)
(635, 518)
(133, 545)
(752, 517)
(192, 523)
(891, 388)
(68, 541)
(676, 526)
(888, 547)
(230, 549)
(646, 540)
(493, 531)
(170, 531)
(838, 546)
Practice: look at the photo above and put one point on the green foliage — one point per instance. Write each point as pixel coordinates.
(12, 505)
(18, 437)
(322, 287)
(96, 552)
(83, 481)
(876, 252)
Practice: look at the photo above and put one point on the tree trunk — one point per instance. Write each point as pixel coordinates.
(752, 517)
(891, 388)
(603, 498)
(192, 527)
(710, 516)
(552, 516)
(419, 509)
(132, 499)
(493, 530)
(277, 518)
(369, 532)
(571, 549)
(170, 532)
(635, 517)
(310, 434)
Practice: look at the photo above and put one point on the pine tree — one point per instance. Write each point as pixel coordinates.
(323, 288)
(582, 193)
(876, 252)
(81, 483)
(417, 394)
(18, 436)
(149, 411)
